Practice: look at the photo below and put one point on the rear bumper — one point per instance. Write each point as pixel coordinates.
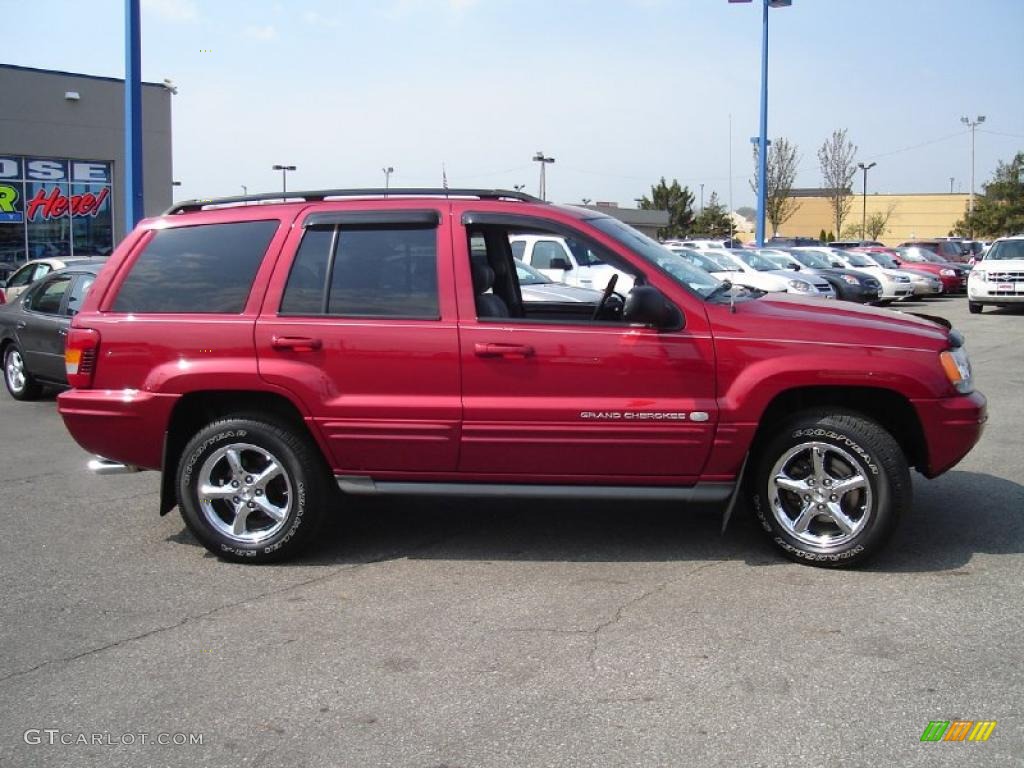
(952, 426)
(123, 426)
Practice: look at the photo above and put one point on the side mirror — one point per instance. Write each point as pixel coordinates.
(897, 262)
(645, 305)
(560, 263)
(795, 267)
(838, 264)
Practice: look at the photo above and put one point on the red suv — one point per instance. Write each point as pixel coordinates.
(271, 358)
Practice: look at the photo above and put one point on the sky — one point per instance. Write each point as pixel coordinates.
(620, 93)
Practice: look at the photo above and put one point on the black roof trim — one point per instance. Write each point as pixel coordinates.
(318, 195)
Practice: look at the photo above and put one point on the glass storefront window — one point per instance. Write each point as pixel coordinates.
(52, 207)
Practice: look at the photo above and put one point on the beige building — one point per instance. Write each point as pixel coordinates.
(912, 215)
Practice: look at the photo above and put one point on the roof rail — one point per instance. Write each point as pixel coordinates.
(317, 195)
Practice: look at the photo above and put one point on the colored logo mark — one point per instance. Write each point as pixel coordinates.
(8, 197)
(958, 730)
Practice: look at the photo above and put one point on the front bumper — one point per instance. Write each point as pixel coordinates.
(952, 426)
(983, 292)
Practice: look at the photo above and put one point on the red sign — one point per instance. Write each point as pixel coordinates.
(54, 205)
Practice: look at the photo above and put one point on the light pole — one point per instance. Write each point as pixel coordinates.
(284, 176)
(518, 187)
(387, 178)
(762, 154)
(544, 161)
(702, 198)
(972, 124)
(864, 208)
(245, 189)
(951, 179)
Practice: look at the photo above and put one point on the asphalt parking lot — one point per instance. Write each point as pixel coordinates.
(480, 633)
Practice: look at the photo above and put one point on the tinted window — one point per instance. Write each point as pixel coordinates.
(47, 297)
(81, 287)
(206, 269)
(387, 271)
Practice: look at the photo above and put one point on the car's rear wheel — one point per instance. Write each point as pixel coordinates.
(974, 307)
(252, 491)
(20, 383)
(830, 487)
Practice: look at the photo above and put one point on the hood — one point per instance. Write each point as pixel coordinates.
(793, 318)
(554, 292)
(999, 266)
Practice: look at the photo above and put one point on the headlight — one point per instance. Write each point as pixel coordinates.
(799, 285)
(850, 279)
(957, 368)
(981, 273)
(947, 273)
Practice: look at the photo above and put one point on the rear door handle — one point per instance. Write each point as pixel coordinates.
(296, 343)
(503, 350)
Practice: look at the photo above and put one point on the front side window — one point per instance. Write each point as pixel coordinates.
(48, 296)
(365, 271)
(78, 291)
(205, 269)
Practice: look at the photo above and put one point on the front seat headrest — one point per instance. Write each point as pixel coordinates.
(483, 278)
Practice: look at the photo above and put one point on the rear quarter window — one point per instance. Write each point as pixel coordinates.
(205, 269)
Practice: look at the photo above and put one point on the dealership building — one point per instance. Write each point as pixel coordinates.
(62, 163)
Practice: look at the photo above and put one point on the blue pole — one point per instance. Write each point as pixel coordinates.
(133, 201)
(762, 144)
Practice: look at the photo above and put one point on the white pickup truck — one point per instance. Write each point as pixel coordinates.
(568, 262)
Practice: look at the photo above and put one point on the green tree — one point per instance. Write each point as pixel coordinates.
(1000, 208)
(714, 220)
(783, 161)
(678, 201)
(838, 160)
(823, 236)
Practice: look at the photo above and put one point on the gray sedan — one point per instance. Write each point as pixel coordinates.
(34, 326)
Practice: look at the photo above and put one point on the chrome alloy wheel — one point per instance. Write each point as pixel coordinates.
(244, 493)
(15, 370)
(820, 494)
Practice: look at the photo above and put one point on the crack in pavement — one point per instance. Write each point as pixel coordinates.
(227, 606)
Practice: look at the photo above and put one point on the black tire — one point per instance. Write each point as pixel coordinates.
(300, 493)
(849, 446)
(974, 307)
(20, 383)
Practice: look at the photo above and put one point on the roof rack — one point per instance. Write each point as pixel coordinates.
(318, 195)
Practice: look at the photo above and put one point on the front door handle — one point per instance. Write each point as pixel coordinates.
(296, 343)
(503, 350)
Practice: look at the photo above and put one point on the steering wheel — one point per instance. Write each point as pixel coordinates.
(608, 290)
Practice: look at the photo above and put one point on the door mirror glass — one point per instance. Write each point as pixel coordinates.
(560, 262)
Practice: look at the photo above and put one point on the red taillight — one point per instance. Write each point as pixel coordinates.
(3, 296)
(80, 356)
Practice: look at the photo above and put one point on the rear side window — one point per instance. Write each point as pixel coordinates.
(365, 271)
(205, 269)
(48, 297)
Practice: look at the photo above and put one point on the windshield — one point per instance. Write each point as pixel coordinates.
(529, 276)
(702, 260)
(684, 273)
(812, 259)
(1004, 250)
(857, 259)
(751, 259)
(884, 259)
(911, 254)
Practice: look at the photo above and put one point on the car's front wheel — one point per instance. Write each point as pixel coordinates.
(252, 491)
(830, 487)
(974, 307)
(20, 383)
